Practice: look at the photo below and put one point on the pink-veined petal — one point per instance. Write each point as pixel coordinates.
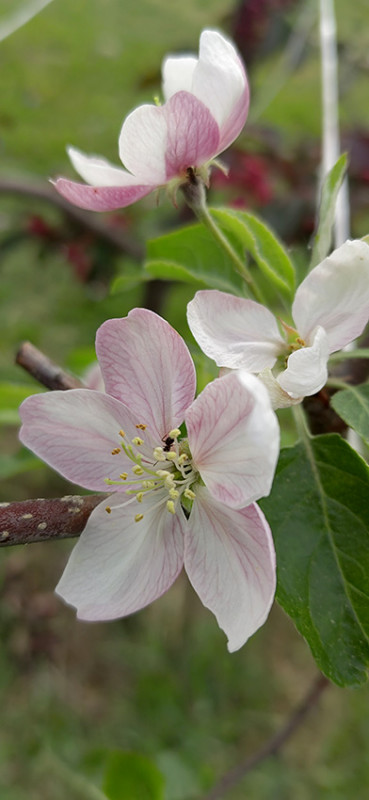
(75, 433)
(306, 371)
(118, 565)
(234, 438)
(335, 295)
(93, 378)
(143, 143)
(97, 171)
(100, 198)
(177, 74)
(230, 561)
(193, 134)
(219, 80)
(146, 364)
(235, 332)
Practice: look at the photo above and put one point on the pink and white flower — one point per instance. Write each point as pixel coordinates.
(206, 105)
(330, 309)
(177, 501)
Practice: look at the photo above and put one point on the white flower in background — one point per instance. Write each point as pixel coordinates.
(330, 309)
(205, 109)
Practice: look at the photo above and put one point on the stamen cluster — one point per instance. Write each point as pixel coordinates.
(175, 475)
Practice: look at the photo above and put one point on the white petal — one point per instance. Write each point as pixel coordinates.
(278, 397)
(142, 144)
(230, 561)
(97, 171)
(235, 332)
(219, 80)
(118, 565)
(306, 371)
(234, 438)
(335, 295)
(177, 74)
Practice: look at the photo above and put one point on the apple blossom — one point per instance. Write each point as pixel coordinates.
(330, 309)
(205, 108)
(176, 500)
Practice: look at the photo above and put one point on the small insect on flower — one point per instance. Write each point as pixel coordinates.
(168, 441)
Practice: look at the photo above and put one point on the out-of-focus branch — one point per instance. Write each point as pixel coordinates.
(273, 745)
(44, 520)
(89, 221)
(44, 370)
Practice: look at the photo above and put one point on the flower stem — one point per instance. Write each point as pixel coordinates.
(195, 197)
(301, 424)
(336, 383)
(344, 355)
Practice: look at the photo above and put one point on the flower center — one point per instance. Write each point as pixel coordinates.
(293, 342)
(168, 474)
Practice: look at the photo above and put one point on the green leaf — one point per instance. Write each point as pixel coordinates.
(327, 210)
(319, 514)
(352, 404)
(11, 396)
(128, 278)
(192, 255)
(253, 236)
(131, 776)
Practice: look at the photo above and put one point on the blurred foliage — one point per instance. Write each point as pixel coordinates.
(161, 683)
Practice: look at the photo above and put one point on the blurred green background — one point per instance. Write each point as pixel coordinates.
(160, 683)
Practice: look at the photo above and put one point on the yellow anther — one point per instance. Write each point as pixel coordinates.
(169, 482)
(137, 470)
(171, 507)
(139, 517)
(182, 459)
(148, 484)
(108, 509)
(139, 497)
(137, 441)
(141, 426)
(159, 454)
(171, 456)
(122, 434)
(174, 433)
(173, 493)
(189, 494)
(124, 476)
(162, 473)
(115, 451)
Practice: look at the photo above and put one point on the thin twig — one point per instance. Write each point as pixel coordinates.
(273, 745)
(44, 370)
(89, 221)
(41, 520)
